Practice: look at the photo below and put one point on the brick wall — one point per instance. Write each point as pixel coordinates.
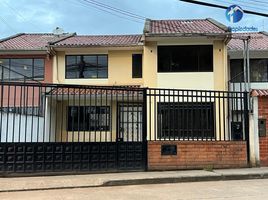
(263, 113)
(198, 155)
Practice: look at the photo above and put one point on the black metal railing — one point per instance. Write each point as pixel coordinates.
(196, 115)
(72, 128)
(38, 112)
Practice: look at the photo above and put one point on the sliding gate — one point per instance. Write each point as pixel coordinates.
(65, 128)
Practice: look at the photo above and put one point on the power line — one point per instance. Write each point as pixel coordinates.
(86, 5)
(222, 7)
(16, 12)
(244, 5)
(122, 14)
(131, 14)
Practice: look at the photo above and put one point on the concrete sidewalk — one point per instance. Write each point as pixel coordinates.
(131, 178)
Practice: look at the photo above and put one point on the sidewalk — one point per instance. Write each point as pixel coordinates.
(131, 178)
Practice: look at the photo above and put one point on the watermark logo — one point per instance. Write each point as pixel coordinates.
(243, 29)
(234, 13)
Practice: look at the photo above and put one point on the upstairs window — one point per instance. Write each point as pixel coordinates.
(86, 66)
(258, 70)
(186, 58)
(22, 69)
(137, 66)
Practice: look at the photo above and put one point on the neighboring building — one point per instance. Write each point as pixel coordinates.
(131, 102)
(28, 56)
(258, 53)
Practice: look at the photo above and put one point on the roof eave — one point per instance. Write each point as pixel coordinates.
(23, 51)
(94, 46)
(220, 36)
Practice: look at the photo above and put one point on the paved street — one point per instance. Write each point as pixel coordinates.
(244, 189)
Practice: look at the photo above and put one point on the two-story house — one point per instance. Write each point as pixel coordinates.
(158, 100)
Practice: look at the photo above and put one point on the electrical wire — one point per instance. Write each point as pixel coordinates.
(17, 13)
(242, 4)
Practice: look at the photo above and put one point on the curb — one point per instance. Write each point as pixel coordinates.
(185, 179)
(148, 181)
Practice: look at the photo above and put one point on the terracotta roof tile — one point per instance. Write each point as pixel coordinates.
(30, 41)
(100, 40)
(259, 93)
(197, 26)
(258, 41)
(97, 91)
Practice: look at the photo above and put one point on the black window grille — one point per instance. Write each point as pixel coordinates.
(88, 118)
(186, 120)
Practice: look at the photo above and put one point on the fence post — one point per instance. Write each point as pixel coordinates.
(246, 123)
(144, 128)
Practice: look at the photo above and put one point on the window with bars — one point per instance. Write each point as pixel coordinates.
(186, 120)
(88, 118)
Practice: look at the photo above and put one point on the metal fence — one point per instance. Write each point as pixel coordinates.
(33, 112)
(197, 115)
(60, 128)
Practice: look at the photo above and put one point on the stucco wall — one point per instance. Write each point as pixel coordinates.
(119, 68)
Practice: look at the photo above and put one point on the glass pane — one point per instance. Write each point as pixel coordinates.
(90, 70)
(259, 70)
(5, 68)
(71, 67)
(21, 68)
(137, 65)
(206, 58)
(39, 69)
(236, 67)
(102, 67)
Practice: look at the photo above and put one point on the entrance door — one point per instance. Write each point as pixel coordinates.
(129, 122)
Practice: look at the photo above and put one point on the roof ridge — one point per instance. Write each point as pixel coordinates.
(218, 24)
(110, 35)
(63, 38)
(178, 19)
(11, 37)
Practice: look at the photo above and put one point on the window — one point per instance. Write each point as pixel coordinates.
(258, 70)
(236, 70)
(185, 120)
(137, 66)
(190, 58)
(88, 118)
(23, 68)
(86, 66)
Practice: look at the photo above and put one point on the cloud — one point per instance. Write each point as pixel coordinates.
(72, 16)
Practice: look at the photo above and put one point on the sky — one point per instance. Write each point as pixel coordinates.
(34, 16)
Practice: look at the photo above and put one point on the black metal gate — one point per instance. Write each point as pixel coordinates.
(47, 128)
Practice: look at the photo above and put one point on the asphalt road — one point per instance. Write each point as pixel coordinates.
(245, 189)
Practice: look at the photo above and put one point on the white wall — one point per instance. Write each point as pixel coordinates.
(18, 128)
